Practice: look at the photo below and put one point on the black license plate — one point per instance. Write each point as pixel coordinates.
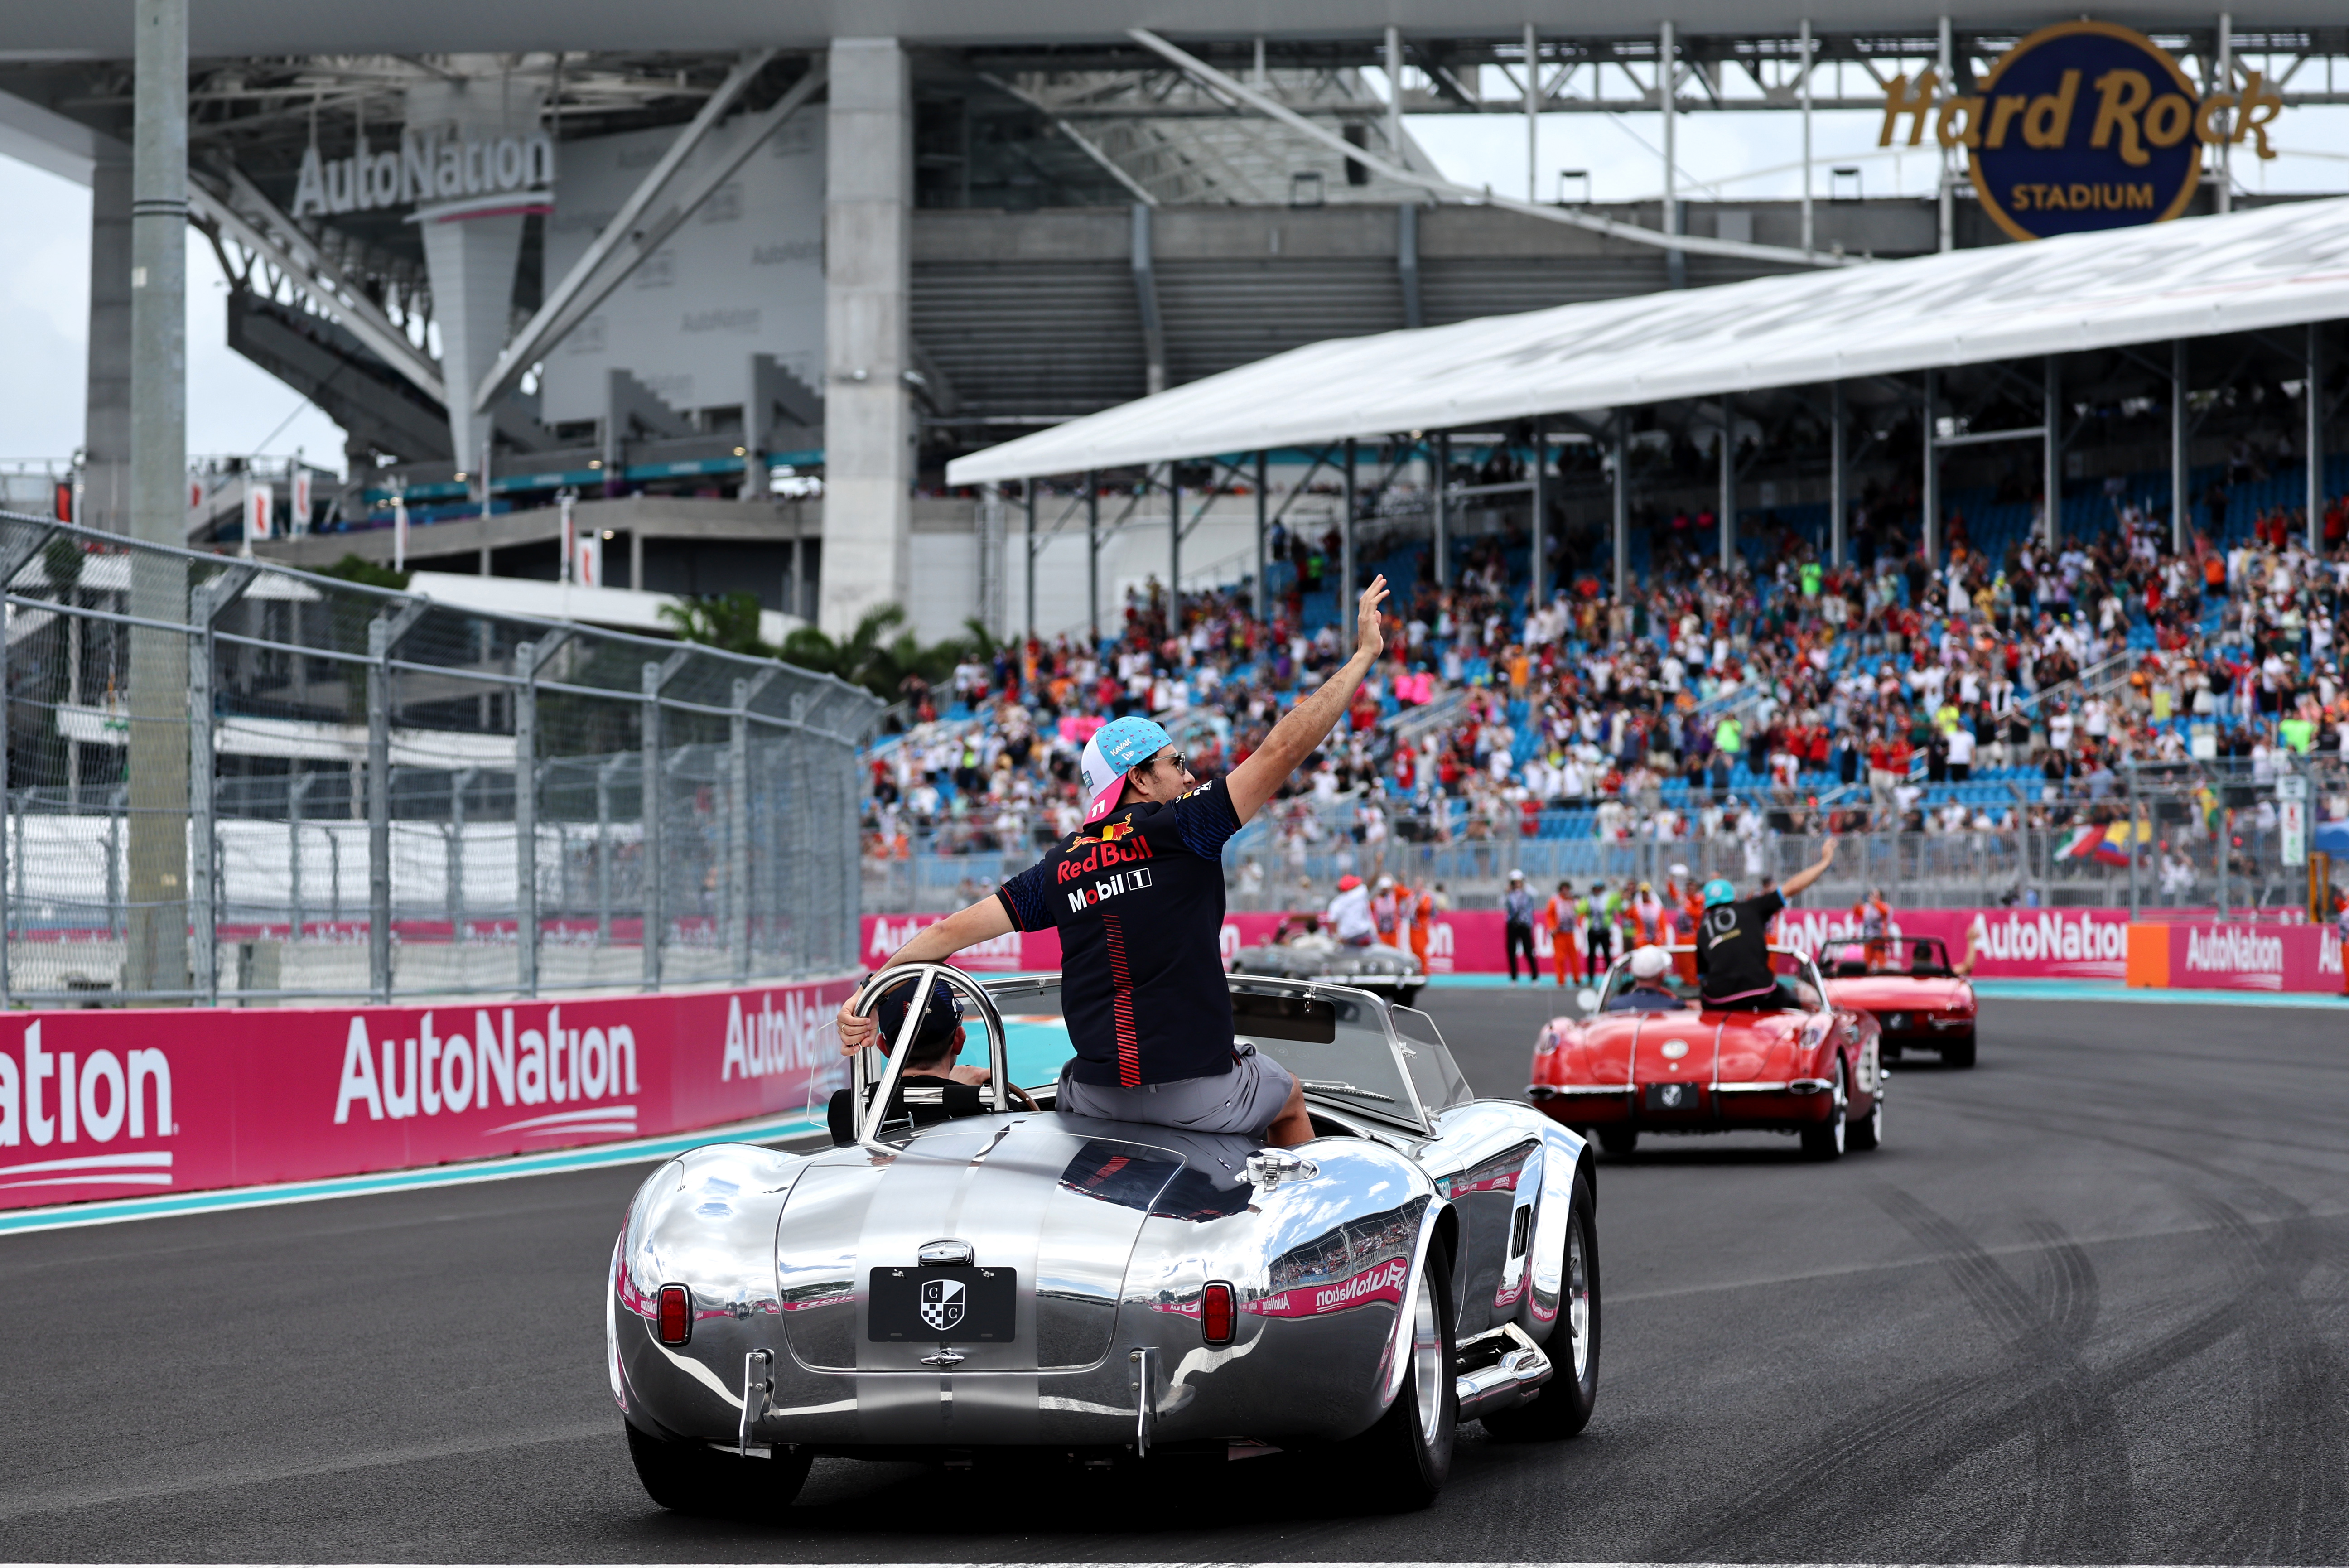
(1671, 1096)
(973, 1305)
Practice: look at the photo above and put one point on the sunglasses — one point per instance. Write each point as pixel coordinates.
(1177, 760)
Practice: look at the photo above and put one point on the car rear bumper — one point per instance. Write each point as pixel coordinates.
(1804, 1102)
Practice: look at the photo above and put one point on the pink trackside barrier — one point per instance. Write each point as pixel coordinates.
(121, 1103)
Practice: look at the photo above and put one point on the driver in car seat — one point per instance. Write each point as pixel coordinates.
(1648, 993)
(932, 1088)
(1137, 895)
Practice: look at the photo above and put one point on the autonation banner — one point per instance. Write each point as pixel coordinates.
(2233, 956)
(2006, 943)
(112, 1104)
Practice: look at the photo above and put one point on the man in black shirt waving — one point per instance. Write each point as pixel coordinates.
(1733, 939)
(1137, 895)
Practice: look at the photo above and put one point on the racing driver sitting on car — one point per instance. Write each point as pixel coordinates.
(1137, 895)
(1732, 940)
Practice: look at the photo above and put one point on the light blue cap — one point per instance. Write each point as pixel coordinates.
(1720, 890)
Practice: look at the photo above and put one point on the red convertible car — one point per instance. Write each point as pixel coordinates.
(1920, 1001)
(1647, 1057)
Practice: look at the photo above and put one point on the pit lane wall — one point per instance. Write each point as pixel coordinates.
(2007, 943)
(126, 1102)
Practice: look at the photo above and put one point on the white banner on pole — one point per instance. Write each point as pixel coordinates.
(260, 511)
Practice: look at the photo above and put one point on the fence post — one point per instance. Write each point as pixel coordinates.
(379, 762)
(459, 780)
(201, 909)
(604, 849)
(649, 809)
(296, 792)
(525, 815)
(738, 812)
(2134, 903)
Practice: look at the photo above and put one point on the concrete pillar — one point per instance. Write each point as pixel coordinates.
(470, 256)
(1838, 504)
(158, 955)
(1929, 494)
(106, 418)
(2181, 505)
(868, 431)
(1728, 455)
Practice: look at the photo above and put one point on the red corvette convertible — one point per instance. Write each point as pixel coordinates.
(1920, 1001)
(1647, 1059)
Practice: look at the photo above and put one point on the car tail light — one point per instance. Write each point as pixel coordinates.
(1215, 1313)
(676, 1315)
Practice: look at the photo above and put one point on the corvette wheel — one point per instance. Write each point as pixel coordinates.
(1826, 1141)
(694, 1478)
(1563, 1408)
(1958, 1051)
(1401, 1463)
(1868, 1132)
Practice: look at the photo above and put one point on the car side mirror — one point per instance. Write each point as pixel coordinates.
(1587, 1000)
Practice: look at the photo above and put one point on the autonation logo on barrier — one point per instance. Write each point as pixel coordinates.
(65, 1100)
(433, 1074)
(772, 1041)
(999, 953)
(2082, 944)
(2253, 957)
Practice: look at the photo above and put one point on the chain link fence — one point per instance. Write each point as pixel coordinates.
(227, 781)
(2060, 848)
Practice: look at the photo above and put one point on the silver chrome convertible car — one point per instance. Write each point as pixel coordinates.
(1022, 1280)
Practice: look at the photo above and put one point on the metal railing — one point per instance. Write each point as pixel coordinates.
(2068, 848)
(225, 779)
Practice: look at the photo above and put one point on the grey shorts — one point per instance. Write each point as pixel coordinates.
(1244, 1100)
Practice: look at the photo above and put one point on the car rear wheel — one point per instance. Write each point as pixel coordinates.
(1826, 1141)
(1401, 1463)
(694, 1478)
(1959, 1050)
(1620, 1140)
(1564, 1405)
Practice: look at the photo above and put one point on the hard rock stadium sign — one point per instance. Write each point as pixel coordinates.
(2083, 125)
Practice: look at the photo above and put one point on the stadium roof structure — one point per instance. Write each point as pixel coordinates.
(276, 27)
(2195, 277)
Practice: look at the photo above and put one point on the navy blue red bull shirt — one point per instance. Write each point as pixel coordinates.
(1138, 899)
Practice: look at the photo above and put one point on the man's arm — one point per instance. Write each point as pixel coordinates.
(1793, 886)
(931, 944)
(1309, 723)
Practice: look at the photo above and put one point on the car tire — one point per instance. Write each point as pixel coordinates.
(1620, 1141)
(694, 1478)
(1826, 1140)
(1868, 1132)
(1401, 1463)
(1958, 1051)
(1564, 1405)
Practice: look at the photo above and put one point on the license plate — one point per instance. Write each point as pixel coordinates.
(969, 1304)
(1672, 1097)
(1897, 1021)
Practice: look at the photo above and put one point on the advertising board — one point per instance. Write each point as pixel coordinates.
(112, 1103)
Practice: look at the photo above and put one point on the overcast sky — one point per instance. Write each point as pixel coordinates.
(233, 407)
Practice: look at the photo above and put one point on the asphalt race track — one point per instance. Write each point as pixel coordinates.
(2087, 1306)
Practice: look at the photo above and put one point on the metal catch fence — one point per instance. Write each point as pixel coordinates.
(228, 779)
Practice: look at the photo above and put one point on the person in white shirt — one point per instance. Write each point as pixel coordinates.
(1962, 753)
(1348, 914)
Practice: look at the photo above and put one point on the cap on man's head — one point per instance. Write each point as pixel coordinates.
(1348, 882)
(1117, 748)
(1720, 890)
(1650, 963)
(1516, 876)
(935, 1030)
(1384, 883)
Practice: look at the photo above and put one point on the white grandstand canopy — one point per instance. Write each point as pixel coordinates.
(2197, 277)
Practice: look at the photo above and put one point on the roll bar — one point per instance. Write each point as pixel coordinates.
(872, 1111)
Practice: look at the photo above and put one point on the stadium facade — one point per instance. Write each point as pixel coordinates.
(727, 287)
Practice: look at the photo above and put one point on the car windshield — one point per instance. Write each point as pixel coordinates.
(1922, 956)
(1336, 1045)
(1625, 994)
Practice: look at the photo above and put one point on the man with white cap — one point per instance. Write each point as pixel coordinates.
(1137, 895)
(1648, 993)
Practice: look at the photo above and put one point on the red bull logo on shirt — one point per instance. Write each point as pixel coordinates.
(1103, 854)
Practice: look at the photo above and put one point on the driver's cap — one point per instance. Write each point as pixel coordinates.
(1117, 747)
(1720, 890)
(1650, 963)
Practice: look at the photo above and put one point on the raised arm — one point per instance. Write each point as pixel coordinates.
(1307, 725)
(1793, 886)
(931, 944)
